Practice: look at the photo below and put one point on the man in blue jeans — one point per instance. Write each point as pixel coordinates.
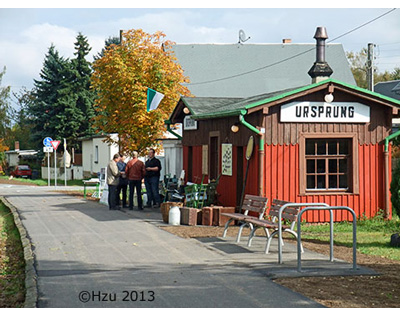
(152, 179)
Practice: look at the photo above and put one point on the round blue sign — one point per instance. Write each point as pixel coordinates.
(46, 141)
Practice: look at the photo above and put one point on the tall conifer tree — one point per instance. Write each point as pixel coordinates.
(63, 100)
(85, 96)
(46, 108)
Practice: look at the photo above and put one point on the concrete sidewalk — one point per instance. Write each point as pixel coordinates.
(88, 256)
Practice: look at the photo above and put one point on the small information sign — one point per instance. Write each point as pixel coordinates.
(47, 141)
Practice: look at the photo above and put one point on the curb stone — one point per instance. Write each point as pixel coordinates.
(30, 271)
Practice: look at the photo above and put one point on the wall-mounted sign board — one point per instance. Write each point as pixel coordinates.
(227, 159)
(322, 112)
(189, 123)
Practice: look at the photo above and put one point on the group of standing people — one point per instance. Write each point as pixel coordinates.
(120, 175)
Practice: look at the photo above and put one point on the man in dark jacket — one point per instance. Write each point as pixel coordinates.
(152, 179)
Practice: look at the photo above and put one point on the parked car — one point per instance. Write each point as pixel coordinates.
(22, 171)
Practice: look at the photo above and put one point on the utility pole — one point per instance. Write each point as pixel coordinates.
(370, 67)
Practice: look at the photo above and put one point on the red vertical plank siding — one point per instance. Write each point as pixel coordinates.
(360, 206)
(281, 181)
(374, 177)
(367, 183)
(390, 180)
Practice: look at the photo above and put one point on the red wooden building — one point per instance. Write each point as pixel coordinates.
(303, 157)
(319, 143)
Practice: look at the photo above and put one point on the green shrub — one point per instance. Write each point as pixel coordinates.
(395, 188)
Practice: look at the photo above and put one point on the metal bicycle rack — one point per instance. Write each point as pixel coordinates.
(280, 241)
(330, 209)
(314, 207)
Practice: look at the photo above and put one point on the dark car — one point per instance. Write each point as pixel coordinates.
(22, 171)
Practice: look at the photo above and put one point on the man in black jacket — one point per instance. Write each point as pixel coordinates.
(152, 179)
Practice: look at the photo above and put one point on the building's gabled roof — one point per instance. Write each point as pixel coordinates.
(228, 107)
(207, 105)
(389, 88)
(244, 70)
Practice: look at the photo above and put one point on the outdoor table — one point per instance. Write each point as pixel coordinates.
(93, 181)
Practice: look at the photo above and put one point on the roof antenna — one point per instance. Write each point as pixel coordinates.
(242, 37)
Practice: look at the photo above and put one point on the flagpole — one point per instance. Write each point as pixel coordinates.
(65, 162)
(48, 169)
(55, 168)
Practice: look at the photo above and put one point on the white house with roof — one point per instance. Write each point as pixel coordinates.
(96, 154)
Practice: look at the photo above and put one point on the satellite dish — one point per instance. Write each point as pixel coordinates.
(242, 37)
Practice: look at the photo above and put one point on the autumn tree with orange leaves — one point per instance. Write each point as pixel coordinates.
(121, 78)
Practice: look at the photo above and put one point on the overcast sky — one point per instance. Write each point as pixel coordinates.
(27, 33)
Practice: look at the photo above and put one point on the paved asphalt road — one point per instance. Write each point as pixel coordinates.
(88, 256)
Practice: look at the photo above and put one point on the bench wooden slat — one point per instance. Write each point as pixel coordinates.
(255, 198)
(266, 224)
(284, 215)
(289, 214)
(238, 216)
(251, 203)
(286, 209)
(254, 209)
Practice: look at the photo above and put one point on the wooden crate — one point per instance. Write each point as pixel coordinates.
(207, 216)
(189, 216)
(220, 220)
(165, 207)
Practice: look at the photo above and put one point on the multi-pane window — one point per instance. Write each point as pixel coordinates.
(328, 164)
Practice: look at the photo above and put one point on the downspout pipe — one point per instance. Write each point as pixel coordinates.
(389, 138)
(260, 151)
(387, 184)
(168, 123)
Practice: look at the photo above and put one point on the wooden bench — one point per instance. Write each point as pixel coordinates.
(251, 203)
(289, 218)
